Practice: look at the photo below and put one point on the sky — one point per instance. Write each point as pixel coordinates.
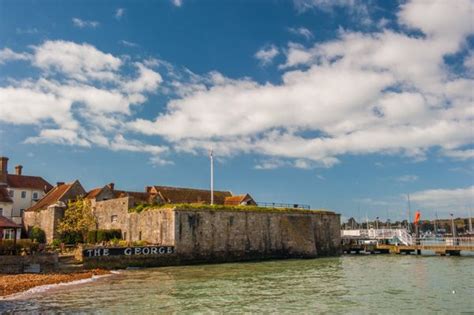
(345, 105)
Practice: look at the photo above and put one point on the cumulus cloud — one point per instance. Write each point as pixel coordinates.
(266, 54)
(84, 24)
(7, 54)
(446, 200)
(386, 92)
(81, 98)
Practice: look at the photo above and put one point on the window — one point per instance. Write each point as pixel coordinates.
(113, 218)
(11, 193)
(140, 235)
(1, 211)
(35, 196)
(23, 194)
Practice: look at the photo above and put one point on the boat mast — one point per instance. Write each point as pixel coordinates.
(409, 213)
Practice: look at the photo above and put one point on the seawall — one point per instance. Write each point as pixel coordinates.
(203, 235)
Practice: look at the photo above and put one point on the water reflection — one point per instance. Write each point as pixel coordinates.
(345, 285)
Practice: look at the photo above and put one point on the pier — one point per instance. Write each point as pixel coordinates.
(399, 241)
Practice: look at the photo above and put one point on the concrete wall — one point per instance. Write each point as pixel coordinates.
(47, 219)
(240, 235)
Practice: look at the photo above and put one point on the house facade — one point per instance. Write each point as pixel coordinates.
(23, 191)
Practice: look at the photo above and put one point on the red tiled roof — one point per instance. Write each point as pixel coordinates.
(32, 182)
(190, 195)
(94, 193)
(7, 223)
(237, 200)
(4, 196)
(50, 198)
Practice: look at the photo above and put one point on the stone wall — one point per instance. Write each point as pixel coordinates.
(154, 226)
(47, 219)
(240, 235)
(204, 235)
(17, 264)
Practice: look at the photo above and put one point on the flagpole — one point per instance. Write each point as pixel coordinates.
(212, 176)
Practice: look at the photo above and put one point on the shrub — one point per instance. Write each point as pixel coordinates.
(38, 234)
(56, 242)
(71, 238)
(92, 236)
(8, 247)
(104, 235)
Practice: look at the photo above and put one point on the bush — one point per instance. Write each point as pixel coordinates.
(71, 238)
(38, 234)
(56, 242)
(8, 247)
(99, 236)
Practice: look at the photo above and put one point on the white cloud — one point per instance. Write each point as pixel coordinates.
(84, 24)
(29, 31)
(407, 178)
(177, 3)
(127, 43)
(363, 93)
(270, 164)
(460, 154)
(358, 9)
(266, 54)
(6, 54)
(81, 98)
(119, 13)
(78, 61)
(455, 200)
(302, 31)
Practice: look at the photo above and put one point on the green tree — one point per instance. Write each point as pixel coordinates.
(78, 218)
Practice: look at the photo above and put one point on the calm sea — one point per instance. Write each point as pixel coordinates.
(349, 284)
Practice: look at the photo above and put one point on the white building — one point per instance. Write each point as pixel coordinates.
(23, 191)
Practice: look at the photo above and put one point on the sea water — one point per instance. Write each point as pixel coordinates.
(386, 284)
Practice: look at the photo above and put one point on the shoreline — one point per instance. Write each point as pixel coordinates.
(11, 285)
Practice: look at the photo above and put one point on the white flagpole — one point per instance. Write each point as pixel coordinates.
(212, 176)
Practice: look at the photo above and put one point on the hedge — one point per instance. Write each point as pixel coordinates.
(9, 247)
(71, 238)
(99, 236)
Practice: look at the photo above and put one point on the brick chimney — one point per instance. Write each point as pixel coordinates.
(3, 169)
(18, 169)
(59, 183)
(111, 186)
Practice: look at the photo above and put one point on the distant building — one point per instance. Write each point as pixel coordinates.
(23, 191)
(176, 195)
(240, 200)
(47, 212)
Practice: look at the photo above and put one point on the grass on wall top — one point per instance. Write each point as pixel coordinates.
(199, 207)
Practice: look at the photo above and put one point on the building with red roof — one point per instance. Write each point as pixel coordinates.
(19, 192)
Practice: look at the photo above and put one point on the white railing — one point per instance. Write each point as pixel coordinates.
(447, 241)
(379, 234)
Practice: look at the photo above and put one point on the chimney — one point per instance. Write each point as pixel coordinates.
(18, 169)
(59, 183)
(3, 169)
(111, 186)
(148, 188)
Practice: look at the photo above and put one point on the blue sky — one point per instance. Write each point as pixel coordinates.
(347, 105)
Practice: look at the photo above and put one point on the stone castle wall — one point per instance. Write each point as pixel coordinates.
(154, 226)
(47, 219)
(205, 235)
(240, 235)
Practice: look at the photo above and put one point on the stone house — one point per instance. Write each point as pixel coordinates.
(24, 191)
(47, 212)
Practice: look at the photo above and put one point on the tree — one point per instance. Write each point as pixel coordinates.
(78, 218)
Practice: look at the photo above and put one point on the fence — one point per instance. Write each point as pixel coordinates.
(283, 205)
